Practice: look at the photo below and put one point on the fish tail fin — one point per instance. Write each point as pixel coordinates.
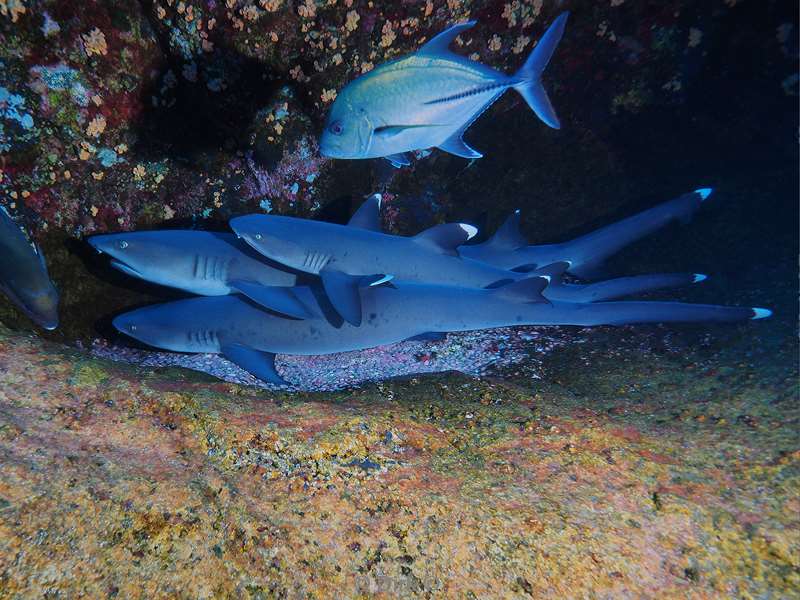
(628, 286)
(625, 313)
(530, 85)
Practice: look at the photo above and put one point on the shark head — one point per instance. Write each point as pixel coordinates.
(282, 239)
(169, 326)
(40, 303)
(128, 253)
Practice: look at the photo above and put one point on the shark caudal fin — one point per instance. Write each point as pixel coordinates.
(530, 85)
(623, 286)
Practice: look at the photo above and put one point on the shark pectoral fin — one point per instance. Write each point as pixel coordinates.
(260, 364)
(431, 336)
(398, 160)
(525, 290)
(440, 44)
(342, 291)
(508, 236)
(279, 299)
(446, 238)
(368, 215)
(455, 144)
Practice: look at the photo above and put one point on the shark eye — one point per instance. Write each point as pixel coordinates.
(132, 327)
(257, 236)
(122, 244)
(336, 128)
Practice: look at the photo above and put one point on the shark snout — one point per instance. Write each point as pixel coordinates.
(247, 228)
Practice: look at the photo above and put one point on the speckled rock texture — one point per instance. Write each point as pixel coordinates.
(654, 474)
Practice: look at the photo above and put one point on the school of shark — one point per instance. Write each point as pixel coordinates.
(285, 285)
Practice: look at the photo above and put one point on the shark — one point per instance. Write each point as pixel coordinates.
(508, 249)
(250, 336)
(201, 262)
(348, 257)
(23, 274)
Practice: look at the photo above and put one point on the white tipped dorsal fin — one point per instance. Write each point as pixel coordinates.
(440, 43)
(446, 238)
(508, 236)
(368, 214)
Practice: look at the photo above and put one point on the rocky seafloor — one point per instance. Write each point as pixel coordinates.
(643, 464)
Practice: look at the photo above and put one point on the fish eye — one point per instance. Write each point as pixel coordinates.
(122, 244)
(336, 128)
(257, 236)
(132, 327)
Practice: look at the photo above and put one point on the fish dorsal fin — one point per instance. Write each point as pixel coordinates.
(279, 299)
(260, 364)
(508, 236)
(446, 238)
(455, 144)
(440, 43)
(526, 290)
(368, 215)
(555, 270)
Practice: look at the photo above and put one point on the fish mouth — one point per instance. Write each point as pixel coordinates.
(121, 266)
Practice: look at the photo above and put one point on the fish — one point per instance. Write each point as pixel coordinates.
(200, 262)
(347, 257)
(250, 337)
(429, 99)
(508, 248)
(23, 274)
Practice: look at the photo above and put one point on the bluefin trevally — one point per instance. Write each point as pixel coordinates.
(343, 255)
(23, 274)
(428, 99)
(508, 249)
(200, 262)
(250, 336)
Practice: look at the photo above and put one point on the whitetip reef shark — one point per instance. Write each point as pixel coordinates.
(429, 99)
(508, 249)
(200, 262)
(23, 274)
(250, 336)
(348, 257)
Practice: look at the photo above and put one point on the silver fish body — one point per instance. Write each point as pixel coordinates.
(429, 99)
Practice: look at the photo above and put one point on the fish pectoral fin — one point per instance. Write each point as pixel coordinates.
(260, 364)
(389, 131)
(440, 44)
(455, 144)
(342, 290)
(398, 160)
(120, 266)
(446, 238)
(278, 299)
(368, 216)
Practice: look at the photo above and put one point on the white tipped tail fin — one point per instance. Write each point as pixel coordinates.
(761, 313)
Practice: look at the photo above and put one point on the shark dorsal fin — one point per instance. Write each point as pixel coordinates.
(446, 238)
(525, 290)
(555, 270)
(368, 215)
(508, 236)
(440, 43)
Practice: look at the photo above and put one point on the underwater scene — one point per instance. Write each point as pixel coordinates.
(419, 299)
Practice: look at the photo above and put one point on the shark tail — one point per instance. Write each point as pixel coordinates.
(626, 313)
(588, 252)
(529, 76)
(627, 286)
